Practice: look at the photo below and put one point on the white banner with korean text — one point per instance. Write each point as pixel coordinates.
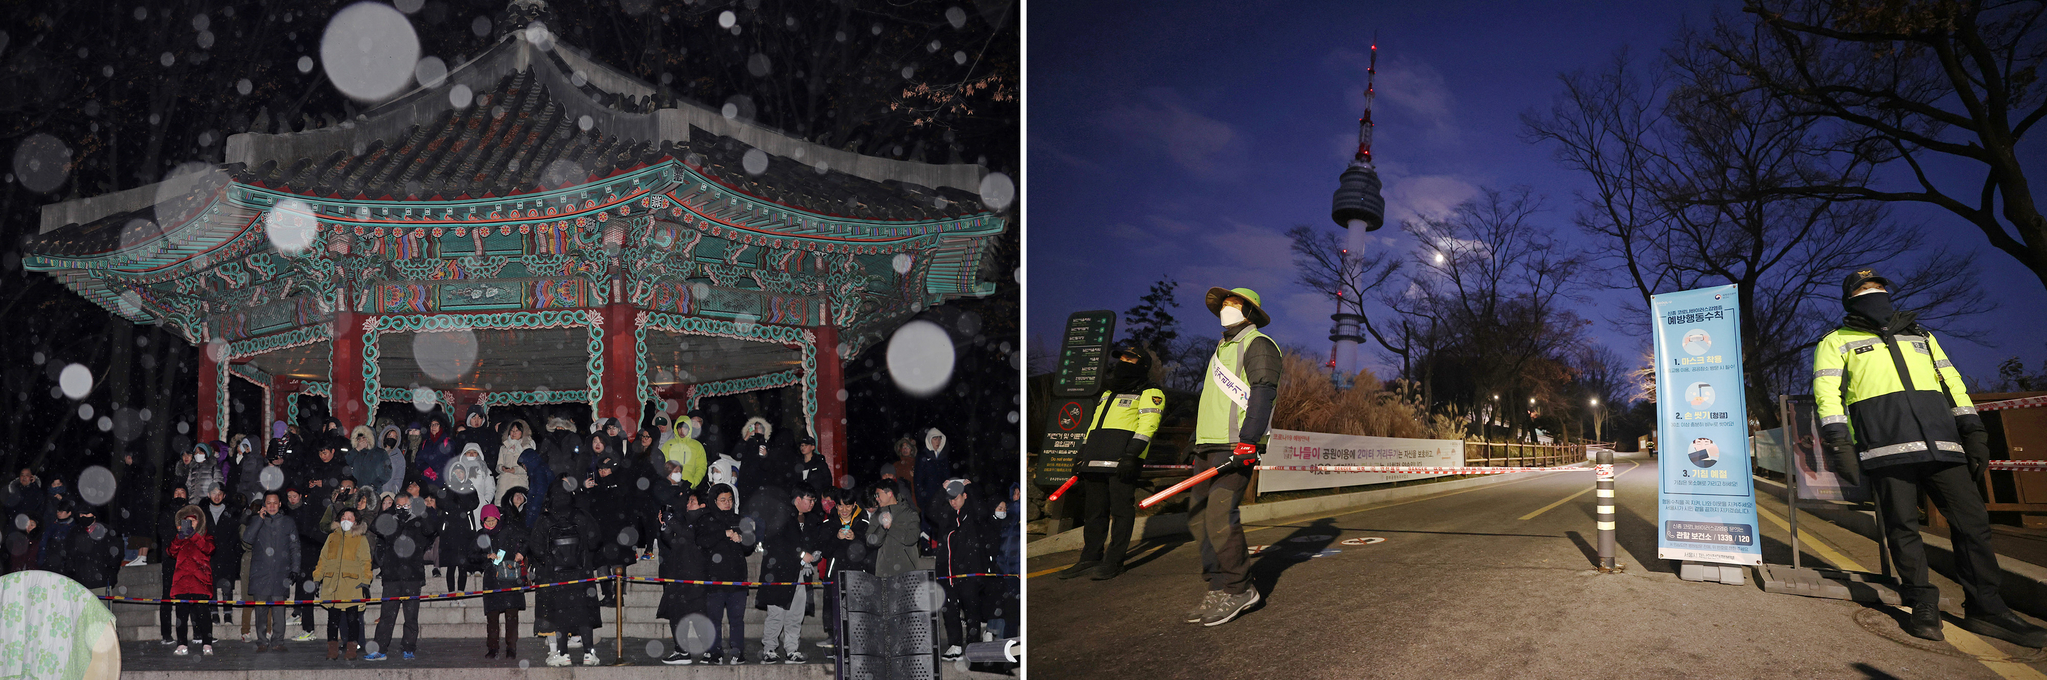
(1290, 447)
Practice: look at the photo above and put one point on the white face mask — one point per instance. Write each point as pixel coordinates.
(347, 525)
(674, 476)
(1231, 316)
(1001, 514)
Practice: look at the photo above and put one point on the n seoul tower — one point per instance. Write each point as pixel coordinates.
(1356, 206)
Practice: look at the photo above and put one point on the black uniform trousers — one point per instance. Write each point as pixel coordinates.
(388, 618)
(1212, 518)
(1897, 490)
(1110, 511)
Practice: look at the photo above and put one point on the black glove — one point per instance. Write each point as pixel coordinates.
(1129, 468)
(1977, 446)
(1846, 463)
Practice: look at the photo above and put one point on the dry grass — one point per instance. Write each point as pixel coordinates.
(1307, 402)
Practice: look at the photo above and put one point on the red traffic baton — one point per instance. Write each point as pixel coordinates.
(1161, 496)
(1062, 489)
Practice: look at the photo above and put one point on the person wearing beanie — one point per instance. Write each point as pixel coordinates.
(1893, 408)
(1112, 456)
(504, 551)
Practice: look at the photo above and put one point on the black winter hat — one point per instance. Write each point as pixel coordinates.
(1858, 277)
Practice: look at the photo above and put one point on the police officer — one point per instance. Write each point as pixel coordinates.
(1112, 457)
(1237, 393)
(1892, 405)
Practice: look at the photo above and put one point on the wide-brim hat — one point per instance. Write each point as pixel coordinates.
(1858, 277)
(1252, 311)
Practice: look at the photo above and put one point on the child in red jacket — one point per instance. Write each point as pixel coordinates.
(193, 553)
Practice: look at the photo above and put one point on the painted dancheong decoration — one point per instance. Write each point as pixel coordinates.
(616, 252)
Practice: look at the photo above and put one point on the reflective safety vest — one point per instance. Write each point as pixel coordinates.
(1120, 419)
(1899, 399)
(1218, 418)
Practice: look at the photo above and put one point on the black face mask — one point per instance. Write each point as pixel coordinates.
(1125, 376)
(1875, 306)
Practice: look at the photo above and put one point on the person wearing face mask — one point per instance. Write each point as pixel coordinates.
(1231, 416)
(686, 450)
(1112, 457)
(344, 573)
(518, 440)
(394, 460)
(1893, 408)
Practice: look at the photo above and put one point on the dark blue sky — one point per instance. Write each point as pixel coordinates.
(1184, 139)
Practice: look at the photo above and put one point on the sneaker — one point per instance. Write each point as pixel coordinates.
(708, 658)
(1078, 569)
(292, 620)
(590, 658)
(374, 656)
(408, 656)
(769, 656)
(139, 561)
(181, 651)
(557, 659)
(1229, 606)
(677, 659)
(575, 642)
(305, 636)
(248, 638)
(206, 650)
(2007, 627)
(795, 657)
(827, 644)
(1200, 610)
(735, 659)
(168, 641)
(952, 653)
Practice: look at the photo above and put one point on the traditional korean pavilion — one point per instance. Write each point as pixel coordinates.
(598, 248)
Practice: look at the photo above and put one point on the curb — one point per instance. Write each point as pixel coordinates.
(1165, 526)
(2025, 584)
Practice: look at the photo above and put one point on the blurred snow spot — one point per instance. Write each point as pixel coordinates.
(409, 6)
(459, 96)
(997, 190)
(244, 86)
(959, 57)
(76, 381)
(85, 411)
(584, 122)
(956, 16)
(480, 26)
(96, 485)
(729, 111)
(755, 161)
(726, 19)
(369, 51)
(167, 59)
(429, 71)
(759, 65)
(290, 226)
(424, 399)
(902, 263)
(305, 64)
(105, 424)
(920, 358)
(272, 477)
(42, 163)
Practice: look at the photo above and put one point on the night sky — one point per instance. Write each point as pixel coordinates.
(1184, 139)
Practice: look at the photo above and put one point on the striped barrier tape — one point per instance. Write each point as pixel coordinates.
(2019, 465)
(650, 579)
(2024, 402)
(368, 600)
(1394, 469)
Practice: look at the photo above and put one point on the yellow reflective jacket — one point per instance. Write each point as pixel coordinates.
(1123, 425)
(1897, 397)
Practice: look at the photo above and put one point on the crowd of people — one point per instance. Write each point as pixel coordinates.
(318, 514)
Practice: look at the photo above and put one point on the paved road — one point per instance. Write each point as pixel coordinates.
(1463, 586)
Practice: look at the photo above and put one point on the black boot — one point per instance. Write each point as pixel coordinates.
(1079, 569)
(1925, 622)
(2007, 627)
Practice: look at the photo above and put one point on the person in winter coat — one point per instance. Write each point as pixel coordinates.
(684, 450)
(25, 546)
(936, 463)
(1005, 597)
(320, 473)
(368, 464)
(614, 439)
(562, 548)
(790, 555)
(434, 454)
(846, 550)
(476, 429)
(305, 511)
(57, 530)
(892, 531)
(344, 573)
(764, 471)
(905, 465)
(515, 511)
(565, 455)
(201, 468)
(405, 532)
(248, 469)
(24, 495)
(719, 533)
(682, 559)
(811, 470)
(511, 470)
(962, 552)
(273, 540)
(468, 483)
(612, 504)
(193, 580)
(166, 532)
(225, 521)
(394, 460)
(503, 557)
(94, 554)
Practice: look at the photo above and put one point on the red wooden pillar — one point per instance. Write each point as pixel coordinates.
(209, 385)
(621, 385)
(831, 401)
(344, 375)
(280, 388)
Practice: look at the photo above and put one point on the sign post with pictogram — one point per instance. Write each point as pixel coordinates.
(1076, 384)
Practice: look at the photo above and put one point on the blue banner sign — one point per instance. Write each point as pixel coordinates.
(1706, 502)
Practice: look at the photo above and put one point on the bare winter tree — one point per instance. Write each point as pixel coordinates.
(1905, 84)
(1688, 168)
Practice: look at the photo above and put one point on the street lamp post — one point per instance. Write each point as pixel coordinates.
(1598, 420)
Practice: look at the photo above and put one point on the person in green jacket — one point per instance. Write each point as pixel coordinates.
(1237, 395)
(684, 450)
(1112, 457)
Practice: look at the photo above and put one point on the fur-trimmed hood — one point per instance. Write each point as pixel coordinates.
(192, 511)
(756, 424)
(560, 423)
(361, 439)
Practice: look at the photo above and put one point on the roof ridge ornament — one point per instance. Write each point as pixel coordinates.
(519, 15)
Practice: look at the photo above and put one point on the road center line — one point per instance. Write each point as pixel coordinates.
(1582, 492)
